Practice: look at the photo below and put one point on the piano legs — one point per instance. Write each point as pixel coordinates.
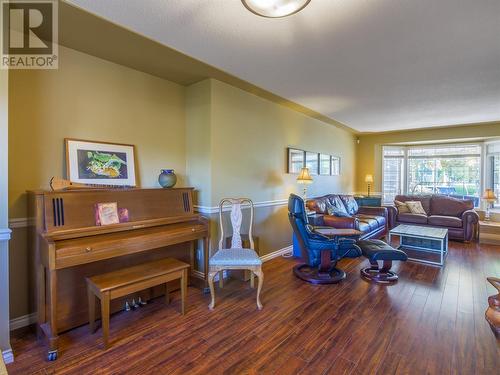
(47, 328)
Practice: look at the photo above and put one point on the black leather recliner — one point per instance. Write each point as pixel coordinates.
(320, 253)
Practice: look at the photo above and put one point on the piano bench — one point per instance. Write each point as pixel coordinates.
(122, 282)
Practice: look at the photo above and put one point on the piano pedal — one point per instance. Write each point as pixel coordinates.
(141, 303)
(127, 306)
(52, 355)
(134, 304)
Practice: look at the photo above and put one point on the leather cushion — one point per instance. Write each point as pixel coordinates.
(412, 218)
(371, 222)
(380, 219)
(445, 221)
(363, 227)
(336, 212)
(379, 250)
(318, 205)
(448, 206)
(350, 204)
(336, 202)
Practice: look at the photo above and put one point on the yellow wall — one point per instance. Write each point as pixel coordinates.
(250, 136)
(369, 149)
(86, 98)
(90, 98)
(237, 147)
(220, 139)
(198, 140)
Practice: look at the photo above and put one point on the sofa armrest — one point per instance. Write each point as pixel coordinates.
(340, 222)
(376, 211)
(470, 220)
(392, 214)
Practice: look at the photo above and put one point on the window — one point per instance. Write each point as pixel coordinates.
(493, 169)
(393, 172)
(453, 170)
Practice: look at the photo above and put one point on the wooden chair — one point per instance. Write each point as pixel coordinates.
(236, 257)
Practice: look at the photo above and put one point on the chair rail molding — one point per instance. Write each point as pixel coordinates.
(5, 234)
(215, 209)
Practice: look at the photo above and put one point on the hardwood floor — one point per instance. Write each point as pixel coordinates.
(430, 322)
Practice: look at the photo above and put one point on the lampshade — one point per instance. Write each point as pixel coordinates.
(304, 177)
(489, 195)
(369, 178)
(275, 8)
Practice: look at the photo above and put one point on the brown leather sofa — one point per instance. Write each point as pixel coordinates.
(441, 211)
(372, 221)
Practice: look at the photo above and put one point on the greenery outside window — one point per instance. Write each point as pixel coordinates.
(453, 170)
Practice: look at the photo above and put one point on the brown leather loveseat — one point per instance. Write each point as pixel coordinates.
(372, 221)
(441, 211)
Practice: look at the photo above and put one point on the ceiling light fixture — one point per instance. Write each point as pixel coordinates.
(275, 8)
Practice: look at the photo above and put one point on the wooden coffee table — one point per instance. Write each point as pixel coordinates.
(422, 241)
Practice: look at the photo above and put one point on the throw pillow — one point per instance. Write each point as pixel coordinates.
(334, 211)
(402, 207)
(416, 207)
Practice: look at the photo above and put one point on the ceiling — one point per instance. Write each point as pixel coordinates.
(373, 65)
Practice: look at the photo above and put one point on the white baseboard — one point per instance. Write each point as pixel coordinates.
(277, 253)
(8, 356)
(22, 321)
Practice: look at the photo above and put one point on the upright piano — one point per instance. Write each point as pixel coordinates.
(69, 246)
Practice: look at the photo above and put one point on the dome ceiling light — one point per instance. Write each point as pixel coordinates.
(275, 8)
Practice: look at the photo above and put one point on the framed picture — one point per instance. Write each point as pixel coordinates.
(312, 162)
(324, 165)
(335, 166)
(100, 163)
(295, 160)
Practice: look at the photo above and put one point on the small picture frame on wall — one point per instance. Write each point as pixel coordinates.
(312, 162)
(335, 165)
(296, 160)
(100, 163)
(324, 165)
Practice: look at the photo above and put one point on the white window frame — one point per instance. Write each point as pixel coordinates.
(406, 147)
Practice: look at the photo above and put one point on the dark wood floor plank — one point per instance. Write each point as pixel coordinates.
(430, 322)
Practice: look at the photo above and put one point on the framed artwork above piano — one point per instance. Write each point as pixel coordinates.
(100, 163)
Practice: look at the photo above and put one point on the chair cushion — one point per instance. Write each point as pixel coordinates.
(412, 218)
(235, 257)
(370, 221)
(335, 211)
(363, 226)
(380, 219)
(445, 221)
(448, 206)
(379, 250)
(350, 204)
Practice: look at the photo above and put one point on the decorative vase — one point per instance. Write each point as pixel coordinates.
(167, 178)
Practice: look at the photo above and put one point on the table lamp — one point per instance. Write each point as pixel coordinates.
(305, 179)
(490, 197)
(369, 181)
